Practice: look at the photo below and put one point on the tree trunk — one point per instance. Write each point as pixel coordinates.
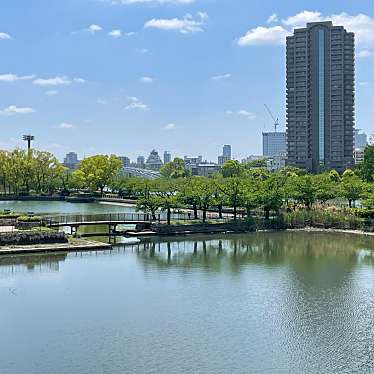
(235, 214)
(204, 214)
(168, 215)
(267, 213)
(220, 211)
(195, 211)
(350, 203)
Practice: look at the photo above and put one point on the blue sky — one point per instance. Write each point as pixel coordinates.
(126, 76)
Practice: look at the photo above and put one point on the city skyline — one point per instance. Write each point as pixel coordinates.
(108, 73)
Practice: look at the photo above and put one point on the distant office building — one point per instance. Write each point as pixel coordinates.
(276, 162)
(140, 162)
(252, 158)
(71, 161)
(191, 162)
(222, 160)
(358, 155)
(361, 139)
(125, 161)
(320, 97)
(153, 161)
(273, 143)
(226, 152)
(205, 169)
(167, 157)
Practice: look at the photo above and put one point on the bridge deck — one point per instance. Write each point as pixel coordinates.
(89, 223)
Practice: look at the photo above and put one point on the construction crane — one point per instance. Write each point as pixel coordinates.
(276, 121)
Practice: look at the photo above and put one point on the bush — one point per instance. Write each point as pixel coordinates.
(29, 219)
(9, 215)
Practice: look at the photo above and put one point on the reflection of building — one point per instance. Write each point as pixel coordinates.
(153, 161)
(167, 157)
(358, 155)
(140, 162)
(320, 97)
(361, 139)
(125, 161)
(71, 161)
(273, 143)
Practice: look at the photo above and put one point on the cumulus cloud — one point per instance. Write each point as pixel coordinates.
(115, 34)
(272, 18)
(220, 77)
(13, 110)
(186, 25)
(169, 126)
(365, 53)
(264, 35)
(361, 24)
(4, 36)
(14, 77)
(146, 80)
(57, 81)
(94, 29)
(65, 125)
(135, 104)
(242, 113)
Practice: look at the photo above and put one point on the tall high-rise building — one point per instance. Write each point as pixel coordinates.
(361, 139)
(140, 162)
(167, 157)
(71, 161)
(320, 97)
(125, 161)
(273, 143)
(226, 152)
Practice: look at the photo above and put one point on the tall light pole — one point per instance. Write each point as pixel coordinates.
(28, 139)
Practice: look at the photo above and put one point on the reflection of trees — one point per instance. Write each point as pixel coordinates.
(306, 253)
(25, 263)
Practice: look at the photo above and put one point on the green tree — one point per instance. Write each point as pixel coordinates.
(232, 188)
(352, 187)
(366, 168)
(175, 169)
(97, 172)
(232, 168)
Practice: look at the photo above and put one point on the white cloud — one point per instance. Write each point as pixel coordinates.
(243, 113)
(101, 101)
(5, 36)
(14, 77)
(94, 29)
(264, 35)
(246, 114)
(220, 77)
(361, 24)
(115, 34)
(187, 24)
(272, 18)
(131, 33)
(302, 18)
(65, 125)
(51, 93)
(146, 80)
(13, 110)
(135, 104)
(363, 84)
(365, 53)
(130, 2)
(57, 81)
(169, 126)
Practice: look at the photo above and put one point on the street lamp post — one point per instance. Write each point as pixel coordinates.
(28, 139)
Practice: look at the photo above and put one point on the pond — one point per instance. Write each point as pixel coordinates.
(248, 303)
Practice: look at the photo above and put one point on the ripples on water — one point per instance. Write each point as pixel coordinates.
(257, 303)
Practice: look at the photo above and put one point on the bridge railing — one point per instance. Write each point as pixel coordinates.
(104, 217)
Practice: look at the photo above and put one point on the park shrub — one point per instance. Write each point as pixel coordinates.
(29, 219)
(10, 215)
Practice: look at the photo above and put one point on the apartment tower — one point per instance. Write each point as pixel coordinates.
(320, 97)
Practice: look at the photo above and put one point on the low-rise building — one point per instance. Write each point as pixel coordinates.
(125, 161)
(358, 155)
(205, 169)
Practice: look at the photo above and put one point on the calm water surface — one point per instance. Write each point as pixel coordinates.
(255, 303)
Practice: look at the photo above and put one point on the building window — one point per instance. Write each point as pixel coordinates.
(321, 88)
